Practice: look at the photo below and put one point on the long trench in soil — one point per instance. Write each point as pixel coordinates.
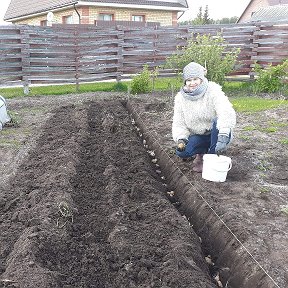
(236, 266)
(88, 209)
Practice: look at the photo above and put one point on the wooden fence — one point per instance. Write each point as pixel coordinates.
(88, 53)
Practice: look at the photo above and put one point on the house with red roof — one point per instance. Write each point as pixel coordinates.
(41, 12)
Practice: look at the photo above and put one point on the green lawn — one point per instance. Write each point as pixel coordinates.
(256, 104)
(237, 91)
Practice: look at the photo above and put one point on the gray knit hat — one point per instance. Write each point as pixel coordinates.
(194, 70)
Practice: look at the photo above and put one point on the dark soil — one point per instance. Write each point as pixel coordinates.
(84, 205)
(87, 209)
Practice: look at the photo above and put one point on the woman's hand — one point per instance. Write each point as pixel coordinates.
(222, 143)
(181, 145)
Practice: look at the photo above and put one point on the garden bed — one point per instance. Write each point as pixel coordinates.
(82, 203)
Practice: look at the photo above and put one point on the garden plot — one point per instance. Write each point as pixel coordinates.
(86, 208)
(42, 209)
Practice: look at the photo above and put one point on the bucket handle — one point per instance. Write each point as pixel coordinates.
(230, 166)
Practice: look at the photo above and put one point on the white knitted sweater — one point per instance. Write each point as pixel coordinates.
(196, 116)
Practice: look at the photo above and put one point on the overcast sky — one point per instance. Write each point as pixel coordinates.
(217, 8)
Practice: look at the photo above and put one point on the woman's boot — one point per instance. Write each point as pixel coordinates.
(198, 163)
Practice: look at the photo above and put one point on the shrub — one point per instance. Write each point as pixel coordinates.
(119, 87)
(210, 52)
(270, 79)
(141, 83)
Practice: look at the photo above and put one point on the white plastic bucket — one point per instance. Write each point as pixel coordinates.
(215, 168)
(4, 117)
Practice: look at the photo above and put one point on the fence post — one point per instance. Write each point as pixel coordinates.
(25, 55)
(120, 37)
(255, 44)
(77, 56)
(155, 42)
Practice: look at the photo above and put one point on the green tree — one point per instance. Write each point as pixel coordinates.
(226, 20)
(203, 19)
(199, 18)
(206, 19)
(199, 15)
(211, 52)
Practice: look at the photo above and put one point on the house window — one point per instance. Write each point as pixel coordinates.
(105, 17)
(44, 23)
(138, 18)
(67, 19)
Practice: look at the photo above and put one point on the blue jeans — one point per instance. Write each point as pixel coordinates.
(200, 144)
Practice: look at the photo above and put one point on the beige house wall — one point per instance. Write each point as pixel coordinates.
(90, 14)
(57, 18)
(253, 7)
